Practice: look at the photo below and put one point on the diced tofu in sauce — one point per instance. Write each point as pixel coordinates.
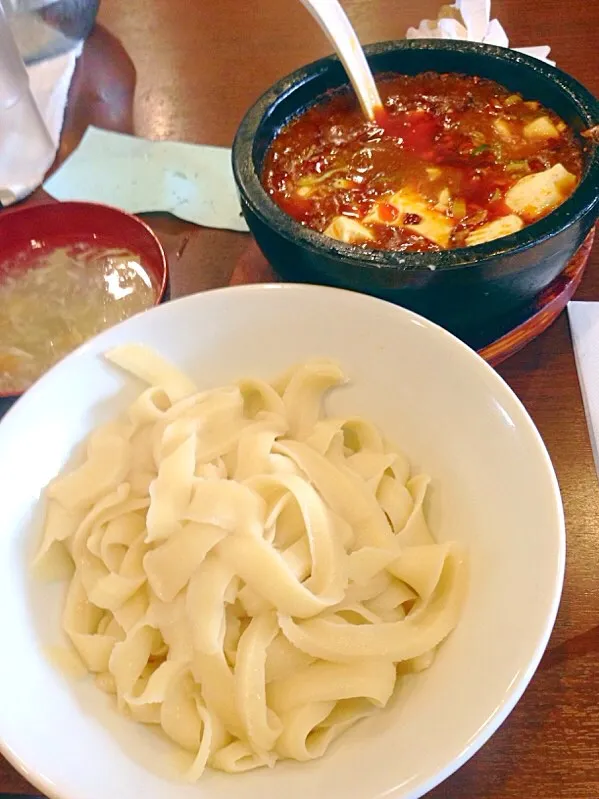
(534, 195)
(504, 130)
(348, 230)
(444, 200)
(438, 172)
(431, 224)
(541, 128)
(495, 230)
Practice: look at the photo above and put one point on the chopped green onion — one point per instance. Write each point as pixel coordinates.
(517, 166)
(512, 99)
(481, 149)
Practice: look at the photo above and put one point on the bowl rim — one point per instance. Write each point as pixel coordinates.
(518, 686)
(161, 285)
(584, 199)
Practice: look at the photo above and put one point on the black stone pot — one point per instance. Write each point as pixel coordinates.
(467, 290)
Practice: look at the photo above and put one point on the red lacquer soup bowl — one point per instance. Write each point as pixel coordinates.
(27, 234)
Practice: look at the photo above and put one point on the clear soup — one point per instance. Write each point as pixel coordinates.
(54, 299)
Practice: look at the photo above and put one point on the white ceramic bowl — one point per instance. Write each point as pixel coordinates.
(493, 489)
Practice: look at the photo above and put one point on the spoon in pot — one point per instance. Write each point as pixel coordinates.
(334, 22)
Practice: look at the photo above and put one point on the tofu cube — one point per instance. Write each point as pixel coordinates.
(433, 172)
(414, 213)
(348, 230)
(495, 230)
(443, 201)
(504, 130)
(541, 128)
(534, 195)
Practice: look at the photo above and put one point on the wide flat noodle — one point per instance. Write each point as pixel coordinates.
(152, 369)
(170, 492)
(250, 576)
(107, 464)
(419, 632)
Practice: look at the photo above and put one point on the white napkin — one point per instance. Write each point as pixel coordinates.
(50, 81)
(584, 326)
(26, 153)
(192, 181)
(470, 20)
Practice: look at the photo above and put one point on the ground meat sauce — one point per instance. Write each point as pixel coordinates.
(453, 161)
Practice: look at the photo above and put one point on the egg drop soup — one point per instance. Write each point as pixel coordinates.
(52, 300)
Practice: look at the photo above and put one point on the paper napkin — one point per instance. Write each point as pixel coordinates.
(470, 20)
(49, 81)
(194, 182)
(584, 325)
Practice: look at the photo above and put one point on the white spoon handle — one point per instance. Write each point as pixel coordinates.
(334, 22)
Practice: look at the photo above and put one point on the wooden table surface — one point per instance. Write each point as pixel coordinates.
(175, 69)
